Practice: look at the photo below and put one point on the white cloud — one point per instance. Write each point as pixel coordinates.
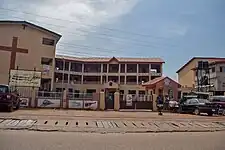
(82, 12)
(85, 15)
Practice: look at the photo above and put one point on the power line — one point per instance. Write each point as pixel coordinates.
(109, 37)
(73, 21)
(128, 39)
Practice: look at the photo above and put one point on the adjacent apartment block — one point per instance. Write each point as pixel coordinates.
(217, 77)
(187, 73)
(89, 75)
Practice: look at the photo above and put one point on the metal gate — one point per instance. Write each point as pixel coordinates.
(130, 101)
(109, 100)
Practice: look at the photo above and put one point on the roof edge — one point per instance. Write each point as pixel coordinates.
(181, 68)
(57, 56)
(58, 36)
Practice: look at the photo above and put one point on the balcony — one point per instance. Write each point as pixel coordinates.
(113, 68)
(131, 80)
(92, 80)
(46, 71)
(92, 68)
(143, 68)
(131, 83)
(131, 68)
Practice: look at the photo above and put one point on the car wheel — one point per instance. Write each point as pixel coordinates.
(10, 108)
(196, 111)
(223, 112)
(210, 114)
(17, 106)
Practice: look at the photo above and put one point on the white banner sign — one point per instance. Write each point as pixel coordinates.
(24, 102)
(91, 105)
(48, 103)
(129, 99)
(25, 78)
(76, 104)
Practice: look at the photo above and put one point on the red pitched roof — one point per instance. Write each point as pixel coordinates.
(157, 80)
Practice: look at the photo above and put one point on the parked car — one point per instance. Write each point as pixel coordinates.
(9, 99)
(197, 106)
(219, 102)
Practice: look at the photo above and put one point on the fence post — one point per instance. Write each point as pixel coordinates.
(154, 98)
(102, 101)
(116, 101)
(33, 98)
(64, 99)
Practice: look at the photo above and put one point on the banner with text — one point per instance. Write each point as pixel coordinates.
(25, 78)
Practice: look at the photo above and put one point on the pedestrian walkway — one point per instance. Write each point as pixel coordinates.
(108, 126)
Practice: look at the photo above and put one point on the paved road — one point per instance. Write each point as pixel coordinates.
(20, 140)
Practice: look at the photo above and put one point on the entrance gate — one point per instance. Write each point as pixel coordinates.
(130, 101)
(109, 100)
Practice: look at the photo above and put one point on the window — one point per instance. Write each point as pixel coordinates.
(131, 91)
(47, 41)
(4, 89)
(46, 61)
(70, 90)
(213, 69)
(221, 69)
(193, 101)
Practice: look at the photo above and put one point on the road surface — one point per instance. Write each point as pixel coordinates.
(29, 140)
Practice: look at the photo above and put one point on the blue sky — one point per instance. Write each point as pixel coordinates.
(175, 30)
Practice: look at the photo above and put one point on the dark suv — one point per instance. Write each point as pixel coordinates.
(9, 99)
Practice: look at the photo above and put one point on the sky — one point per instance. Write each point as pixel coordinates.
(174, 30)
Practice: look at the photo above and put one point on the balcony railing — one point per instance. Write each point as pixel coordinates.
(92, 82)
(132, 83)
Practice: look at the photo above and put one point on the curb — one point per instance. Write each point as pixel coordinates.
(107, 132)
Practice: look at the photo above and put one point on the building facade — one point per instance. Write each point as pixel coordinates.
(26, 46)
(187, 74)
(217, 77)
(89, 75)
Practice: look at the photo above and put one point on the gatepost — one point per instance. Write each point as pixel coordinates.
(102, 101)
(116, 101)
(65, 99)
(154, 107)
(33, 102)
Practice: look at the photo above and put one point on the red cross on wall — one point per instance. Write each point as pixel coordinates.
(13, 50)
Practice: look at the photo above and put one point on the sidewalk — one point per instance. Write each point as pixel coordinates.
(107, 121)
(116, 115)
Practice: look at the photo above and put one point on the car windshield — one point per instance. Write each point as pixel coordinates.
(203, 101)
(4, 89)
